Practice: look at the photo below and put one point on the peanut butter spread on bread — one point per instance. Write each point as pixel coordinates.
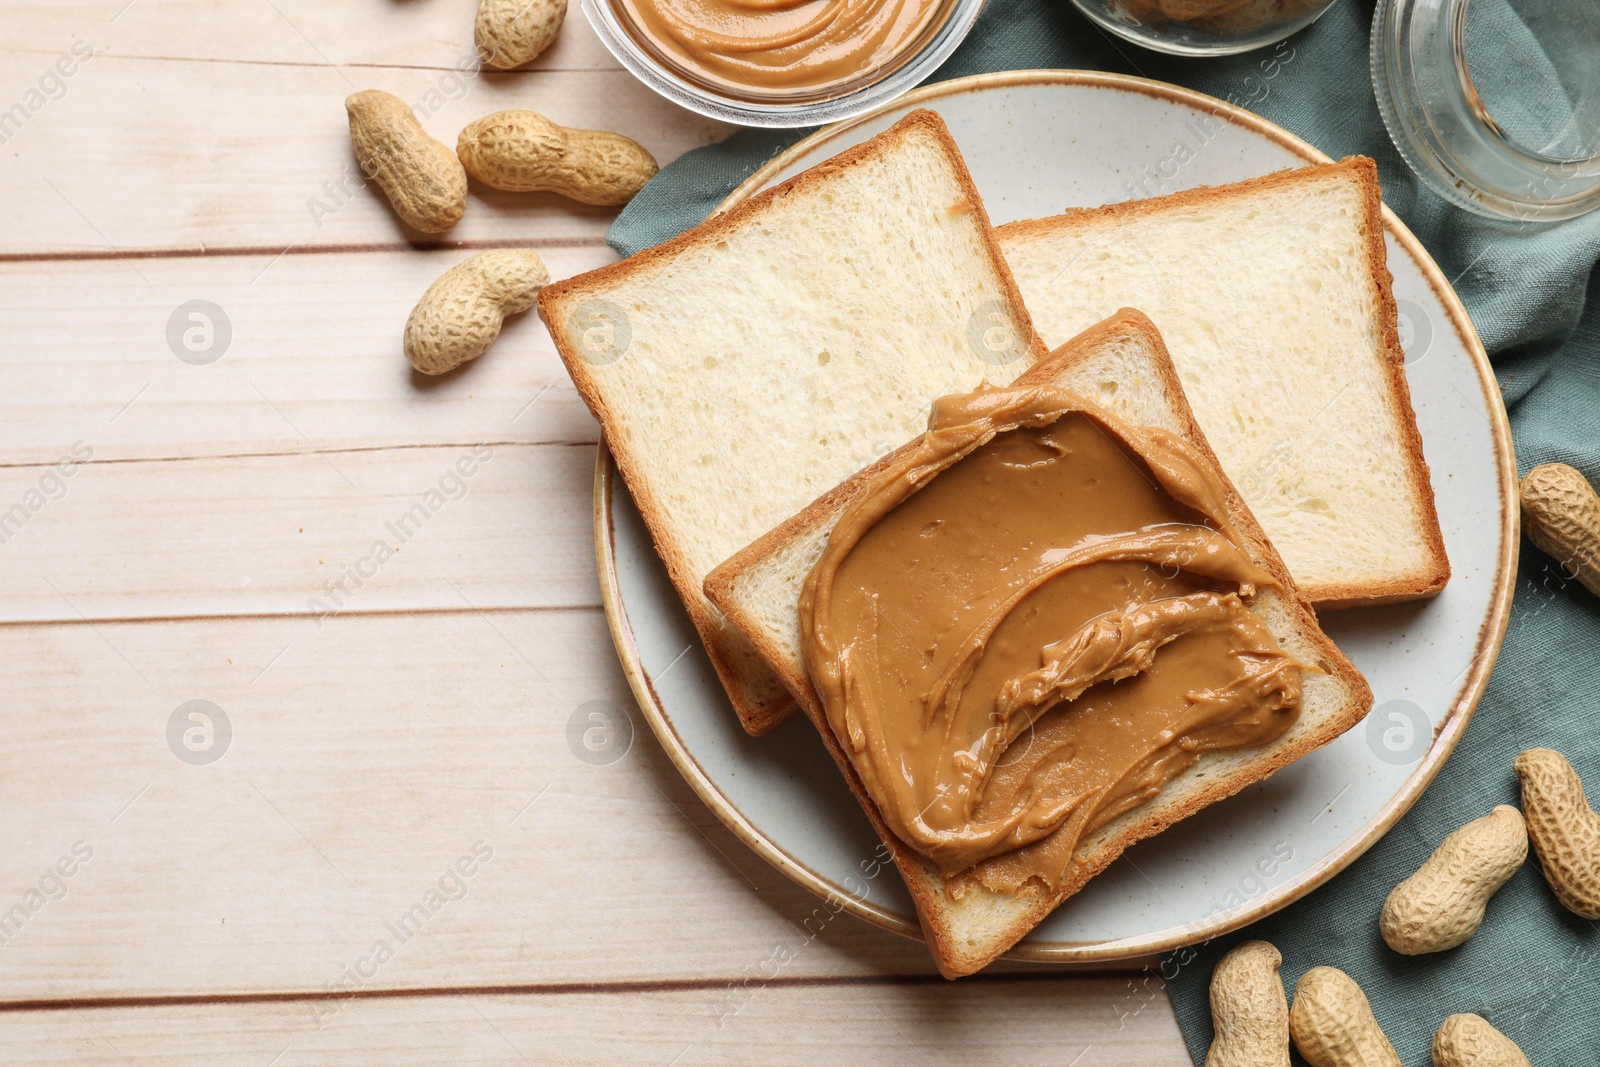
(1029, 623)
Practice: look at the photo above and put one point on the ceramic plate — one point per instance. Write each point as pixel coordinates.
(1039, 142)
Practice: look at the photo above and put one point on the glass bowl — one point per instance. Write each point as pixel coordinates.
(916, 60)
(1494, 103)
(1203, 27)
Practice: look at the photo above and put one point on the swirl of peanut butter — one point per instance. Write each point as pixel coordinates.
(768, 45)
(1028, 623)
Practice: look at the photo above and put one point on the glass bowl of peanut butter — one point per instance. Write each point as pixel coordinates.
(781, 62)
(1204, 27)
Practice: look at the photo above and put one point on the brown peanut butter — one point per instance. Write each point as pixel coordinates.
(781, 44)
(1029, 623)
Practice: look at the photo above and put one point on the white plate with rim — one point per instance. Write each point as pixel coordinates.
(1038, 142)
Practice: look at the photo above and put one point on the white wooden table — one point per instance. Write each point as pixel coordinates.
(176, 500)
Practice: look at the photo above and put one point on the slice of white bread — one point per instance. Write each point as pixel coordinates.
(757, 360)
(1122, 365)
(1274, 298)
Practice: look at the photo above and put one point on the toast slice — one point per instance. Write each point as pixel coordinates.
(1121, 365)
(1274, 298)
(743, 368)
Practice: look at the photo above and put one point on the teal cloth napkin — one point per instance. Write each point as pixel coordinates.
(1534, 968)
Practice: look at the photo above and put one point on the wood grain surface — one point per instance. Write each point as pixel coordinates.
(398, 858)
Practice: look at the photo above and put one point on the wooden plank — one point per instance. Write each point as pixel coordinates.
(228, 154)
(306, 534)
(377, 33)
(366, 758)
(295, 354)
(1082, 1022)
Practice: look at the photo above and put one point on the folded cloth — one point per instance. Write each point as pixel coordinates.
(1533, 969)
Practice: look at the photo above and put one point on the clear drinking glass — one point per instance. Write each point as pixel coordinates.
(1203, 27)
(1495, 103)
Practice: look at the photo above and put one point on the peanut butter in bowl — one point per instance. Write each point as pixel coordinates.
(781, 46)
(781, 62)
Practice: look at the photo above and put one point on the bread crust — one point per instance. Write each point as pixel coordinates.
(926, 887)
(1435, 572)
(758, 714)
